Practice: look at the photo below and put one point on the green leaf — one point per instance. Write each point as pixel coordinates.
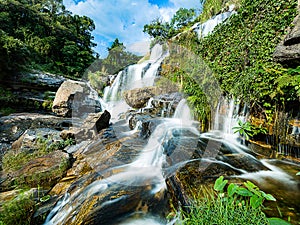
(277, 221)
(220, 184)
(45, 198)
(256, 201)
(268, 196)
(244, 192)
(298, 174)
(232, 189)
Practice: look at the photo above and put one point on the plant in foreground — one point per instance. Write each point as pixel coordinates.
(236, 205)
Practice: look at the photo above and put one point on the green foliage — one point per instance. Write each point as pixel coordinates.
(248, 130)
(43, 33)
(277, 221)
(240, 54)
(220, 184)
(228, 206)
(160, 30)
(244, 129)
(6, 111)
(18, 211)
(298, 174)
(14, 159)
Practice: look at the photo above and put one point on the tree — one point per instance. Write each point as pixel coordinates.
(182, 18)
(43, 33)
(158, 28)
(164, 30)
(118, 58)
(116, 44)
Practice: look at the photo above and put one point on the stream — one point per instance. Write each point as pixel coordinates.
(134, 191)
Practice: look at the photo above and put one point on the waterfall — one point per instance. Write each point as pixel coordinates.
(134, 76)
(149, 167)
(207, 27)
(183, 112)
(227, 115)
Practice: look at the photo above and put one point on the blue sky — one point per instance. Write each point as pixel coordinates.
(125, 19)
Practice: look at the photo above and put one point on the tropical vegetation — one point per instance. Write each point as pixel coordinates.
(43, 35)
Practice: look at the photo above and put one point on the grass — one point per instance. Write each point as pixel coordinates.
(210, 209)
(18, 211)
(235, 204)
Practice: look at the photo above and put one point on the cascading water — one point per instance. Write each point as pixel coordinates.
(149, 169)
(270, 174)
(134, 76)
(227, 116)
(207, 27)
(144, 177)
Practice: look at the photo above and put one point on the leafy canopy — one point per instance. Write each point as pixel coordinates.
(43, 35)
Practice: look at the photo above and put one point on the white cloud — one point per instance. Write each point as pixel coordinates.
(123, 19)
(186, 3)
(139, 48)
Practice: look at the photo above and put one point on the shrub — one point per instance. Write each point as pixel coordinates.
(236, 205)
(17, 211)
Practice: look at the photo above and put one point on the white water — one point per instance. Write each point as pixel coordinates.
(226, 117)
(134, 76)
(183, 111)
(207, 27)
(146, 169)
(274, 173)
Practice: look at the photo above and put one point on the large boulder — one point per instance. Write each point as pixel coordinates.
(288, 51)
(14, 129)
(44, 171)
(75, 99)
(91, 126)
(138, 98)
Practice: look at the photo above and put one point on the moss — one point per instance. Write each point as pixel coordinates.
(18, 211)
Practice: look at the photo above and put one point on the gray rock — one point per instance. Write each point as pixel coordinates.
(138, 98)
(75, 99)
(288, 50)
(94, 123)
(36, 80)
(287, 55)
(293, 37)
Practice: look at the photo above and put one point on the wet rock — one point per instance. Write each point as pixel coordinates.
(166, 103)
(141, 123)
(36, 80)
(210, 159)
(288, 51)
(91, 126)
(77, 99)
(43, 171)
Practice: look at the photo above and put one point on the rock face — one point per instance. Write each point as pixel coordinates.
(138, 98)
(35, 80)
(94, 123)
(75, 99)
(288, 51)
(30, 92)
(14, 126)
